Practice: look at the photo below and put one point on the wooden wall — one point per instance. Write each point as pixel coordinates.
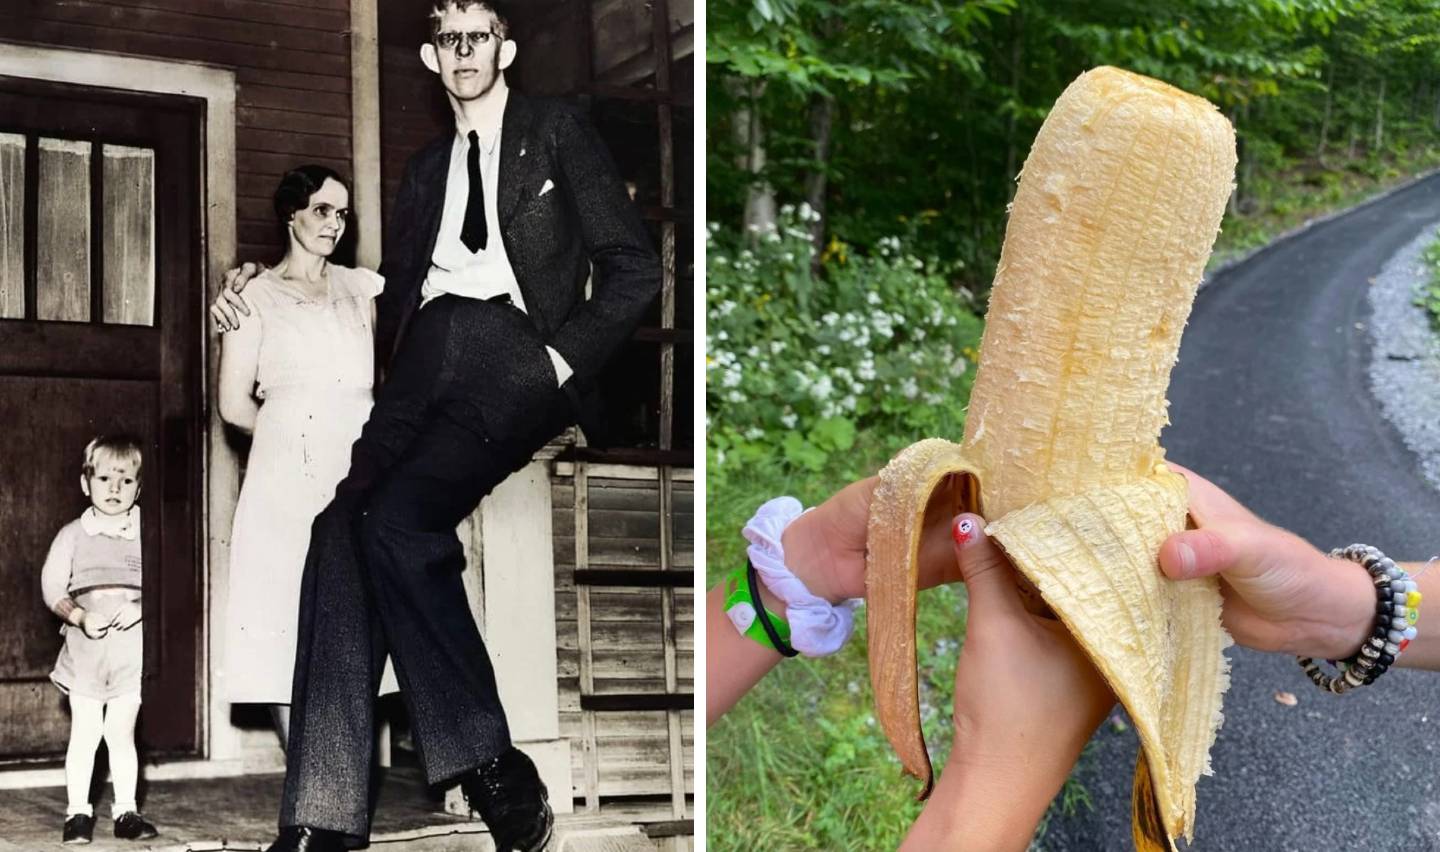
(627, 640)
(291, 59)
(413, 111)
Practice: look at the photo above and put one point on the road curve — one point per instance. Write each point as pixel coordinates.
(1270, 400)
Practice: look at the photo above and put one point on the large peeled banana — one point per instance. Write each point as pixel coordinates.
(1116, 212)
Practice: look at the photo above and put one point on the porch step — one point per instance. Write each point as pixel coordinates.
(238, 815)
(573, 833)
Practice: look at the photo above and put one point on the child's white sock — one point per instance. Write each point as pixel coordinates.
(120, 716)
(86, 728)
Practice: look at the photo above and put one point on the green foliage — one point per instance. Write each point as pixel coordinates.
(824, 46)
(1428, 294)
(1301, 192)
(877, 346)
(936, 101)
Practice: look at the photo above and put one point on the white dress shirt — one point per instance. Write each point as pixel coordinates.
(486, 273)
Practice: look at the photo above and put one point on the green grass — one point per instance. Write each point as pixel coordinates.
(800, 763)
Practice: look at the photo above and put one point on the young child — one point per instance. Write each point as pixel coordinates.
(91, 580)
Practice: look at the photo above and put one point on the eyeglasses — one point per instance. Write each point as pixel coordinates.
(451, 40)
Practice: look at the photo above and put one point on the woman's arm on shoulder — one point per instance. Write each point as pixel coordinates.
(239, 366)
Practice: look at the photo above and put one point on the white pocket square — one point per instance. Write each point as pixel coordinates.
(549, 185)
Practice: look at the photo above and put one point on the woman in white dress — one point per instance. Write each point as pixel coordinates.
(298, 375)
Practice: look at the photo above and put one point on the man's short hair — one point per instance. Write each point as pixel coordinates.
(298, 185)
(121, 447)
(439, 7)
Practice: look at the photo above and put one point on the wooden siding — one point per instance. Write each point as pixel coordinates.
(413, 111)
(626, 635)
(291, 60)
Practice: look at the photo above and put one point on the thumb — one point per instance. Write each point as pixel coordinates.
(1241, 552)
(987, 573)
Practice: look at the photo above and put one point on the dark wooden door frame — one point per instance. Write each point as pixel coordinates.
(171, 125)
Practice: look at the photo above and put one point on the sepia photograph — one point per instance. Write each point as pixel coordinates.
(380, 313)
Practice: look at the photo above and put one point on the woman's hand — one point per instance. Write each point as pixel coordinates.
(1280, 593)
(825, 547)
(1026, 701)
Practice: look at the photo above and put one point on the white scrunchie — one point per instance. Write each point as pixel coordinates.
(817, 628)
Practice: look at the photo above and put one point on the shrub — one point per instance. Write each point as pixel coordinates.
(875, 344)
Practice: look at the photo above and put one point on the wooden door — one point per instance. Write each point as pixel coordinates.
(101, 307)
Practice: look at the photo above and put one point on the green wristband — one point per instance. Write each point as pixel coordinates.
(737, 591)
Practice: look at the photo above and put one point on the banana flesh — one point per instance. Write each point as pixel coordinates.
(1116, 213)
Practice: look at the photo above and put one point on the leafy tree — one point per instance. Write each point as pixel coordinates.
(913, 117)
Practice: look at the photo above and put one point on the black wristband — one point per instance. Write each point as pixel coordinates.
(780, 644)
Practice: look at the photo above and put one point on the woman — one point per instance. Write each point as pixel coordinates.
(298, 375)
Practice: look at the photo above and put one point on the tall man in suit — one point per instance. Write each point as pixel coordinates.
(493, 349)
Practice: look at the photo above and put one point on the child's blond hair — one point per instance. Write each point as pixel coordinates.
(118, 446)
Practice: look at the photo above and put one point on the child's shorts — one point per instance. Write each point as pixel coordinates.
(103, 669)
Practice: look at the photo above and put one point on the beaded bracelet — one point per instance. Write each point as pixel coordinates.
(1397, 610)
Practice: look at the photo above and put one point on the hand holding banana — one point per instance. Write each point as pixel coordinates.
(1116, 212)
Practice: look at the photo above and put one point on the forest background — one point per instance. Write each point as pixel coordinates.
(860, 157)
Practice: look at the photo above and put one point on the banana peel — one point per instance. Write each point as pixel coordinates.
(1116, 213)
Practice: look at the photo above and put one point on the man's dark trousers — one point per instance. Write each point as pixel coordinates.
(471, 396)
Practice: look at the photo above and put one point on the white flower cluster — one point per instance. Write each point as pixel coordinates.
(875, 341)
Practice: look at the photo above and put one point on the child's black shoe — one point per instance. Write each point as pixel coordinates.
(78, 829)
(132, 826)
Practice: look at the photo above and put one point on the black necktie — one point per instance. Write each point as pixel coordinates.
(474, 234)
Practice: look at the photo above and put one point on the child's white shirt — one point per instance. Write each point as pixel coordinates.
(55, 574)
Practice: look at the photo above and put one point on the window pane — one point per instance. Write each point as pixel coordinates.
(12, 226)
(129, 237)
(64, 231)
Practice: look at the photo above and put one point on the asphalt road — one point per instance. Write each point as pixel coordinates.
(1270, 401)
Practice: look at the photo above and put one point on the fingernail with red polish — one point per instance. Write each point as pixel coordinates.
(963, 531)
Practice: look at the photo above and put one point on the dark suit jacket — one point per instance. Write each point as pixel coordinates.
(553, 240)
